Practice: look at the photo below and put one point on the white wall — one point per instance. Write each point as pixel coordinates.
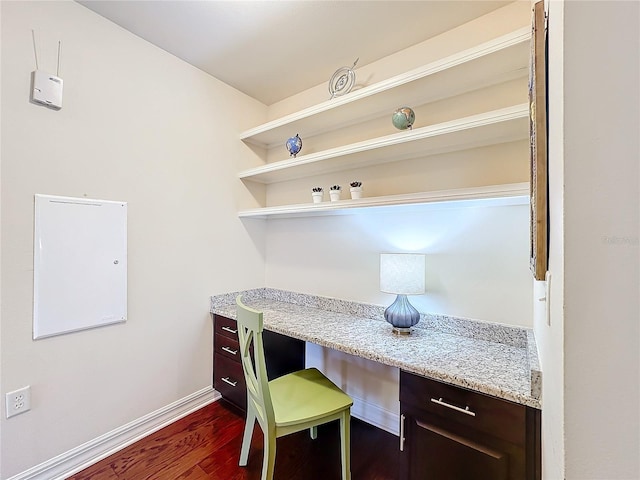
(601, 209)
(550, 338)
(499, 22)
(141, 126)
(1, 294)
(590, 353)
(477, 267)
(158, 136)
(477, 258)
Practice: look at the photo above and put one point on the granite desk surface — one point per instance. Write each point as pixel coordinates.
(495, 359)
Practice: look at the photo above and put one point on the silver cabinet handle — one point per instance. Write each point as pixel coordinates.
(453, 407)
(229, 350)
(402, 433)
(230, 330)
(226, 380)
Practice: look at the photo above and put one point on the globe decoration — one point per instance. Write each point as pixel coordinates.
(403, 118)
(294, 145)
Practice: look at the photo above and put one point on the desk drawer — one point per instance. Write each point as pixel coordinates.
(225, 326)
(497, 417)
(229, 380)
(227, 346)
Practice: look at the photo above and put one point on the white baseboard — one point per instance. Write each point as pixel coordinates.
(375, 415)
(85, 455)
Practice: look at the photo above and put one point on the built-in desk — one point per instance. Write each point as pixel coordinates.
(488, 428)
(494, 359)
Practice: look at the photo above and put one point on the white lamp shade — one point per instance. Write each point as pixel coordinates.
(402, 273)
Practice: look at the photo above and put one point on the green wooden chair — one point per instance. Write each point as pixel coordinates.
(297, 401)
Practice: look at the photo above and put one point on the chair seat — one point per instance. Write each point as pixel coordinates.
(305, 395)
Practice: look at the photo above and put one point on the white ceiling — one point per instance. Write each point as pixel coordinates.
(272, 49)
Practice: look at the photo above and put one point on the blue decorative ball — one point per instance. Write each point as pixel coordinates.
(294, 145)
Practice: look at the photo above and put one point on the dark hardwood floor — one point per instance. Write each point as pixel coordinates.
(206, 445)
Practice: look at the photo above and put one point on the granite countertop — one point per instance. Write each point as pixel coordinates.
(495, 359)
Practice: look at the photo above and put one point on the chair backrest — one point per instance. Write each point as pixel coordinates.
(254, 366)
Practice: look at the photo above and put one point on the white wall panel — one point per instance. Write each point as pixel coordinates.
(141, 126)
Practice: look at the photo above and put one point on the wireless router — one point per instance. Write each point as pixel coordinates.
(46, 89)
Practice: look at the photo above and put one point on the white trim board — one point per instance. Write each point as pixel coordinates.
(375, 415)
(91, 452)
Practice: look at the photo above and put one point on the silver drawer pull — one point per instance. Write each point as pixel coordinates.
(229, 350)
(402, 417)
(230, 330)
(226, 380)
(453, 407)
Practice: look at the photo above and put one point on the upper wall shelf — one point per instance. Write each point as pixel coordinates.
(498, 60)
(498, 126)
(493, 195)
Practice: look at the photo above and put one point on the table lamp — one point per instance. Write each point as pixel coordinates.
(402, 274)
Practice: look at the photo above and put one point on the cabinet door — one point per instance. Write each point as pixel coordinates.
(435, 453)
(228, 379)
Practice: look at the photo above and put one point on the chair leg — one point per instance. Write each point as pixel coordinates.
(345, 444)
(269, 459)
(246, 438)
(313, 432)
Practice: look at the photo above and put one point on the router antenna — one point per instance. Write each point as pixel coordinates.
(58, 68)
(35, 52)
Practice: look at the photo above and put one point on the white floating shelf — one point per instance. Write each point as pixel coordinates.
(495, 195)
(498, 126)
(492, 62)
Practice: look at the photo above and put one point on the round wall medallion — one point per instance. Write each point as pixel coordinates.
(342, 80)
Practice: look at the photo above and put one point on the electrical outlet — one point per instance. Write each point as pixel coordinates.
(18, 401)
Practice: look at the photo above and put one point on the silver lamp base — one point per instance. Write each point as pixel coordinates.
(402, 315)
(401, 331)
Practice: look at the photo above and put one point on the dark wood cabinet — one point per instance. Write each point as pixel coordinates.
(282, 354)
(451, 433)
